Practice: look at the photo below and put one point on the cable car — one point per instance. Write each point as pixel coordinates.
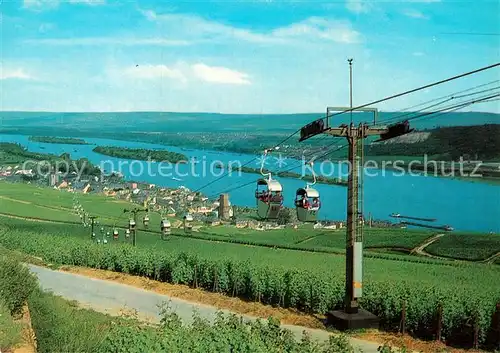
(131, 224)
(268, 194)
(188, 226)
(145, 220)
(269, 198)
(115, 234)
(395, 130)
(307, 202)
(165, 227)
(127, 233)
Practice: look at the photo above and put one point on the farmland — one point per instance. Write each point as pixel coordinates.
(300, 268)
(374, 238)
(43, 203)
(466, 246)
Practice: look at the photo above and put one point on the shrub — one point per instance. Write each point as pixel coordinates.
(16, 284)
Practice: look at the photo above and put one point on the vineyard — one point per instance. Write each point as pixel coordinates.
(191, 242)
(271, 237)
(466, 246)
(48, 204)
(311, 282)
(373, 238)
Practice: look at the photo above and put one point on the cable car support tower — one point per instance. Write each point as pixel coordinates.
(352, 316)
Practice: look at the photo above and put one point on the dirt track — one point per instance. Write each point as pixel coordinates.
(420, 250)
(110, 297)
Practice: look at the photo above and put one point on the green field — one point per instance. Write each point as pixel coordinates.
(400, 239)
(41, 202)
(466, 246)
(272, 237)
(45, 203)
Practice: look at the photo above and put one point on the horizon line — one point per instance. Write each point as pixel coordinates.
(206, 112)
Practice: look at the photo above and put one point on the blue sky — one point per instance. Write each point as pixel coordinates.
(259, 56)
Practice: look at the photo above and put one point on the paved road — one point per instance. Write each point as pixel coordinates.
(110, 297)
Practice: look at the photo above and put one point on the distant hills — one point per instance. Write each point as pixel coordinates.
(166, 122)
(479, 142)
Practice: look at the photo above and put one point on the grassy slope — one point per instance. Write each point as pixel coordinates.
(57, 205)
(33, 201)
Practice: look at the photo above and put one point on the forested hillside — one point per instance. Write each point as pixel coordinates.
(480, 142)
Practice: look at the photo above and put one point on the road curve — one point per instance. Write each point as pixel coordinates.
(110, 297)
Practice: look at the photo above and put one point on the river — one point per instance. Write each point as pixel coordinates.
(465, 205)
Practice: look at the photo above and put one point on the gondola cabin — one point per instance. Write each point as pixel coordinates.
(269, 198)
(115, 234)
(307, 203)
(131, 224)
(145, 221)
(165, 227)
(188, 223)
(127, 233)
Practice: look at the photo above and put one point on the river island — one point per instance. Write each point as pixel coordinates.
(141, 154)
(59, 140)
